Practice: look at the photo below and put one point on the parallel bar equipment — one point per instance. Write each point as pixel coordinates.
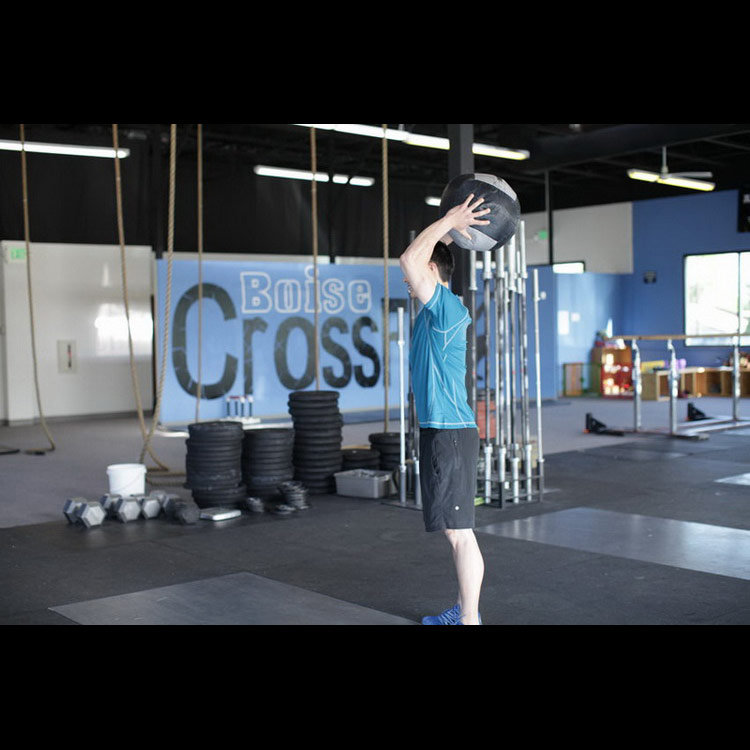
(516, 476)
(692, 431)
(487, 277)
(402, 424)
(538, 373)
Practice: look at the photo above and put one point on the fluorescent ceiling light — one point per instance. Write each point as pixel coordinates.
(294, 174)
(299, 174)
(639, 174)
(430, 141)
(432, 201)
(65, 149)
(373, 131)
(501, 153)
(415, 139)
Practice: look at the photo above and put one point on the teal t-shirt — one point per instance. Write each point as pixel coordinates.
(437, 359)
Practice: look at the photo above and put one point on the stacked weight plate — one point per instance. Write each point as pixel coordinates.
(317, 439)
(294, 494)
(360, 458)
(388, 445)
(212, 464)
(267, 460)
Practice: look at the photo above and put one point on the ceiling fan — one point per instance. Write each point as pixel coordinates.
(694, 180)
(666, 174)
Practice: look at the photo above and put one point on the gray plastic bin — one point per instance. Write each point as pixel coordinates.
(364, 483)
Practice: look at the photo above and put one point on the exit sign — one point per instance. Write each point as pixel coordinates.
(17, 253)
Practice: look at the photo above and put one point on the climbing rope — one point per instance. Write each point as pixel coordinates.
(200, 270)
(25, 191)
(314, 208)
(386, 302)
(147, 436)
(126, 295)
(168, 292)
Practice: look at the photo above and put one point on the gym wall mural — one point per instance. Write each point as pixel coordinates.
(258, 334)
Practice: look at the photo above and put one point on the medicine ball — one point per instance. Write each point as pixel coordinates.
(499, 197)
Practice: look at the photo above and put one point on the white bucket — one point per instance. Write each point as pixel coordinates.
(127, 479)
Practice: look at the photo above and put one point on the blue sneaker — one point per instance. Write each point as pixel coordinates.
(451, 616)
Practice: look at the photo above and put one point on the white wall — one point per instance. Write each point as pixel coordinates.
(77, 295)
(600, 236)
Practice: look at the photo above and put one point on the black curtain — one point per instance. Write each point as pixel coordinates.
(72, 200)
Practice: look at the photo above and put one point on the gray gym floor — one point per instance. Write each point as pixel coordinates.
(635, 530)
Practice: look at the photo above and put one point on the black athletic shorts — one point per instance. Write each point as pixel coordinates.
(448, 477)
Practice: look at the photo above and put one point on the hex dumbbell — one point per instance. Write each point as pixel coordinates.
(168, 504)
(91, 514)
(160, 495)
(150, 506)
(71, 506)
(108, 503)
(184, 511)
(127, 509)
(83, 511)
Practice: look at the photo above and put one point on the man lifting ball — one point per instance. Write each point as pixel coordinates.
(449, 438)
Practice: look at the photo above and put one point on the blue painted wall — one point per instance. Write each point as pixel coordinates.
(664, 231)
(598, 299)
(258, 335)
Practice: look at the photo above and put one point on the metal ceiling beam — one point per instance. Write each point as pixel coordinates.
(729, 144)
(552, 152)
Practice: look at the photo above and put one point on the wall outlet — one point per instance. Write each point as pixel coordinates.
(66, 356)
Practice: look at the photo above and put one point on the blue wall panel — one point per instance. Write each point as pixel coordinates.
(664, 231)
(258, 335)
(596, 298)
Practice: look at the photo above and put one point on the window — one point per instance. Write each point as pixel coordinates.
(717, 297)
(573, 267)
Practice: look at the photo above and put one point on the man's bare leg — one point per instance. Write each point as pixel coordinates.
(469, 570)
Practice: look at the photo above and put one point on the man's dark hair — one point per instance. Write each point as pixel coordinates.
(442, 257)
